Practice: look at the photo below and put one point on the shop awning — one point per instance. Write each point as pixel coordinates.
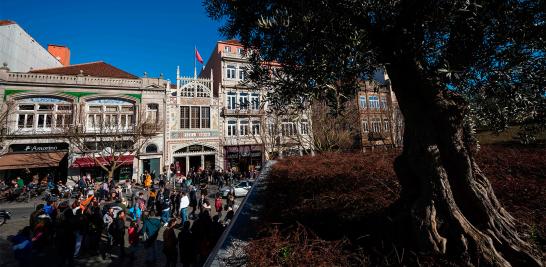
(90, 162)
(13, 161)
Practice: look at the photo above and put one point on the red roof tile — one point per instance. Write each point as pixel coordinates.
(232, 42)
(96, 69)
(6, 22)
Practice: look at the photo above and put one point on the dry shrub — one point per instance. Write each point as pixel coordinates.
(518, 176)
(345, 196)
(298, 247)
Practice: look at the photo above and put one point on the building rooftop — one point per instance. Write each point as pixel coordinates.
(232, 42)
(96, 69)
(6, 22)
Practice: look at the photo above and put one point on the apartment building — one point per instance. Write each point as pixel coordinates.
(250, 133)
(21, 53)
(380, 117)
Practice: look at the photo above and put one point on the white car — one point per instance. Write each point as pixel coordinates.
(240, 189)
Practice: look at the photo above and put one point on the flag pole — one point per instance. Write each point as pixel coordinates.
(195, 62)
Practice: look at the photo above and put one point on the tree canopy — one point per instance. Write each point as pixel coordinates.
(492, 52)
(446, 60)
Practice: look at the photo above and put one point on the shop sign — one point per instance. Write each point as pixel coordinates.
(193, 134)
(195, 148)
(38, 147)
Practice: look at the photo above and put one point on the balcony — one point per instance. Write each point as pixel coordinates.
(242, 112)
(232, 55)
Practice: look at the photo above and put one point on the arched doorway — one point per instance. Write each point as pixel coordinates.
(194, 157)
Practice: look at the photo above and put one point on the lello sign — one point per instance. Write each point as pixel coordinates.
(52, 147)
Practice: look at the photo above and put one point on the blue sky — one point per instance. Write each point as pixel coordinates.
(136, 36)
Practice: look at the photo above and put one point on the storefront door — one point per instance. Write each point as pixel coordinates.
(152, 166)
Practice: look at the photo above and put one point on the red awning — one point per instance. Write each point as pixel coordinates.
(90, 162)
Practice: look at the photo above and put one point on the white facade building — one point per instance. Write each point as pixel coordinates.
(20, 51)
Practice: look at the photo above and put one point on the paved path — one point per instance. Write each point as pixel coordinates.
(20, 218)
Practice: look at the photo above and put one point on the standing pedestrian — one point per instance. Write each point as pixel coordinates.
(118, 232)
(169, 244)
(184, 203)
(134, 239)
(186, 245)
(193, 201)
(218, 205)
(108, 219)
(150, 231)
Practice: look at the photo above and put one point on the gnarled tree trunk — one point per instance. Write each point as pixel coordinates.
(447, 201)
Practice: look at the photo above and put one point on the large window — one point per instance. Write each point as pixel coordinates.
(43, 113)
(288, 128)
(384, 104)
(255, 101)
(194, 117)
(243, 127)
(243, 100)
(184, 117)
(230, 72)
(365, 126)
(255, 127)
(231, 100)
(386, 125)
(304, 127)
(205, 117)
(376, 125)
(152, 113)
(241, 74)
(109, 114)
(362, 101)
(232, 128)
(227, 49)
(374, 101)
(25, 121)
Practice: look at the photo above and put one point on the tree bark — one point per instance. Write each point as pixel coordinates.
(447, 203)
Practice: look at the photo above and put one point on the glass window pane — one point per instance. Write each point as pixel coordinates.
(195, 117)
(45, 107)
(26, 107)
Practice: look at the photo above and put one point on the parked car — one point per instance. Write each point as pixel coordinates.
(240, 189)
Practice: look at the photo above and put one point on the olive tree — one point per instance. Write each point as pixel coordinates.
(441, 56)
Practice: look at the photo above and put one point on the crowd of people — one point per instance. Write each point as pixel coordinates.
(123, 222)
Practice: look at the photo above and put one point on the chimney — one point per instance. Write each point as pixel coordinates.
(61, 53)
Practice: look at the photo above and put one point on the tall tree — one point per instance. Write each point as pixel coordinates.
(108, 144)
(439, 55)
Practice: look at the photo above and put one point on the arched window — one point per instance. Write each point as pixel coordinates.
(110, 113)
(43, 113)
(151, 148)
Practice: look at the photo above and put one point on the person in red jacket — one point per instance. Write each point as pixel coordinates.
(218, 205)
(133, 240)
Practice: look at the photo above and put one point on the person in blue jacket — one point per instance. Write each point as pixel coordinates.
(150, 231)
